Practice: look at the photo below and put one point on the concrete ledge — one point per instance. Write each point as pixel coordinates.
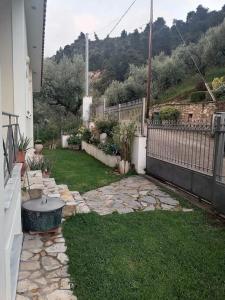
(108, 160)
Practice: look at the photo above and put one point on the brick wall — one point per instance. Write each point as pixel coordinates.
(192, 111)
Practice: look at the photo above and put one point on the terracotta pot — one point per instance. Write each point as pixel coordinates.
(38, 148)
(124, 167)
(20, 157)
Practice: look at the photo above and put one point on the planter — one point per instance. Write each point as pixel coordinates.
(75, 147)
(38, 148)
(46, 174)
(20, 157)
(42, 215)
(124, 167)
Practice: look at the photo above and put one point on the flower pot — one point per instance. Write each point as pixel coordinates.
(20, 157)
(124, 167)
(38, 148)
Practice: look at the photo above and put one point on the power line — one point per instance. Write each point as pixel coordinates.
(122, 17)
(195, 63)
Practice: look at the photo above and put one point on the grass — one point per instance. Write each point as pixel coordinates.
(154, 255)
(79, 171)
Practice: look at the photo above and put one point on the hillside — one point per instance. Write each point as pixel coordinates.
(114, 55)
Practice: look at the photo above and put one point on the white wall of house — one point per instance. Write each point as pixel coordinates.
(23, 99)
(6, 57)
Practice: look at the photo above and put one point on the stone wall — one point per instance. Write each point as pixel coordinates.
(191, 111)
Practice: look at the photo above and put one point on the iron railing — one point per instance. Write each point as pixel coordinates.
(133, 111)
(10, 142)
(189, 145)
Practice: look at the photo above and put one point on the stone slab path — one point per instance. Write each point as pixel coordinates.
(134, 193)
(43, 269)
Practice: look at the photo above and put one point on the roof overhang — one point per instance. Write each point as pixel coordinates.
(35, 11)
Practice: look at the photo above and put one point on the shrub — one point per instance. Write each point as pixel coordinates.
(74, 140)
(86, 135)
(109, 148)
(198, 96)
(106, 126)
(220, 92)
(123, 136)
(218, 82)
(169, 114)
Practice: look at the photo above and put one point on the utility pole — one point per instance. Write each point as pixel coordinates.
(149, 82)
(87, 66)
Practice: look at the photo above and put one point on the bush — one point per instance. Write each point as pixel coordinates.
(106, 126)
(220, 92)
(74, 140)
(86, 135)
(198, 96)
(169, 114)
(109, 148)
(218, 82)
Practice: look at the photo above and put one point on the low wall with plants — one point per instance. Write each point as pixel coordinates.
(108, 160)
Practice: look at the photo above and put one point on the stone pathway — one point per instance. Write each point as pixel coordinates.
(128, 195)
(43, 269)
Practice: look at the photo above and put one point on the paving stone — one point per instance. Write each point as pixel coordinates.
(36, 274)
(187, 210)
(167, 207)
(150, 208)
(65, 284)
(125, 210)
(23, 275)
(26, 285)
(30, 266)
(63, 258)
(169, 201)
(148, 199)
(20, 297)
(50, 263)
(41, 281)
(61, 295)
(59, 247)
(32, 244)
(26, 255)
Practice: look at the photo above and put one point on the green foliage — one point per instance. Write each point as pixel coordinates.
(169, 114)
(220, 92)
(86, 135)
(199, 96)
(43, 164)
(123, 136)
(106, 126)
(218, 82)
(23, 143)
(109, 148)
(74, 140)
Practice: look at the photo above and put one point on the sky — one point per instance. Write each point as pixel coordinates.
(67, 18)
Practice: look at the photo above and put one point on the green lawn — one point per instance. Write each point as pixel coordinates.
(79, 171)
(154, 255)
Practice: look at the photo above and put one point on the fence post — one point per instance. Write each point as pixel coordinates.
(218, 153)
(143, 117)
(104, 108)
(119, 109)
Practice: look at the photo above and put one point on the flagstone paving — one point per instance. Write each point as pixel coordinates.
(43, 269)
(134, 193)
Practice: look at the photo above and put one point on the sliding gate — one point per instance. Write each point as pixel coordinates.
(191, 156)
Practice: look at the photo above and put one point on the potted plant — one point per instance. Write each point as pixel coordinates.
(123, 136)
(38, 146)
(46, 168)
(22, 148)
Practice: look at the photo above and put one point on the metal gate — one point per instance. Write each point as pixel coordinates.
(191, 156)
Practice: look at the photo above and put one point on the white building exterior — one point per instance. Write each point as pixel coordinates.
(22, 24)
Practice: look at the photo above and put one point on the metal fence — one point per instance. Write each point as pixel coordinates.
(133, 111)
(10, 142)
(190, 155)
